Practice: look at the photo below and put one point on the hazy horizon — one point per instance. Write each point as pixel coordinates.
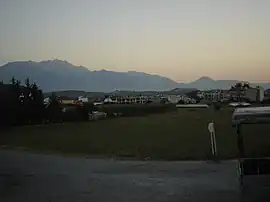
(182, 40)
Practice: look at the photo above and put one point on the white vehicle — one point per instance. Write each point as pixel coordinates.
(82, 99)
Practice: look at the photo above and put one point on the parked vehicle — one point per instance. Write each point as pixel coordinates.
(254, 173)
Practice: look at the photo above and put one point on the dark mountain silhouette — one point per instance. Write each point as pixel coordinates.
(206, 83)
(56, 75)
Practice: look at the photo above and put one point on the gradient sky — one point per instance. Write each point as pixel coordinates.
(180, 39)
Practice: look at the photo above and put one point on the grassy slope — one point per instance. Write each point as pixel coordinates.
(178, 135)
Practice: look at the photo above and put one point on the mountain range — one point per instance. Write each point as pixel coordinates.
(58, 75)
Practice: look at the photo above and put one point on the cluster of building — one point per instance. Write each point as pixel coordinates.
(251, 94)
(139, 99)
(174, 99)
(214, 95)
(127, 99)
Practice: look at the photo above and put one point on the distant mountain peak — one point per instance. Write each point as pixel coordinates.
(56, 61)
(205, 78)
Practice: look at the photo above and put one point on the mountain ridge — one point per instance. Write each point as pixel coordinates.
(58, 75)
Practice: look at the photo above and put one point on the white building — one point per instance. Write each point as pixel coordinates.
(127, 99)
(174, 99)
(251, 94)
(214, 95)
(260, 93)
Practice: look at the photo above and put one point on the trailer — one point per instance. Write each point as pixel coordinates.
(254, 173)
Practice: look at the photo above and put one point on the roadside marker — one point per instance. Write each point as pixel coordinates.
(211, 128)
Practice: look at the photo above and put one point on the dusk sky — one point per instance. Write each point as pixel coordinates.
(180, 39)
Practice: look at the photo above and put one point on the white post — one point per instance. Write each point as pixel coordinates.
(214, 140)
(212, 132)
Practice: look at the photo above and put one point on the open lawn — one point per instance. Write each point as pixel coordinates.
(171, 136)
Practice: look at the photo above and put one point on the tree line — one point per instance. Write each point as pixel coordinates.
(24, 104)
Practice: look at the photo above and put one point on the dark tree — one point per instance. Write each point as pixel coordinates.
(238, 85)
(12, 102)
(54, 109)
(36, 102)
(181, 102)
(246, 86)
(27, 83)
(194, 95)
(20, 104)
(34, 86)
(240, 88)
(18, 83)
(13, 81)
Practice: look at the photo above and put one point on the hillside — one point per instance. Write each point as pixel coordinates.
(55, 75)
(58, 75)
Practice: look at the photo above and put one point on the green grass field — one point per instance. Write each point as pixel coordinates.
(171, 136)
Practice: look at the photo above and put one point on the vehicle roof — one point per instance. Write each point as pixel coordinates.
(251, 115)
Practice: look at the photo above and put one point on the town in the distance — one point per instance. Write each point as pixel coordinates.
(239, 94)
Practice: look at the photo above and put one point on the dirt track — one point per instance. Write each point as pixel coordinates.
(35, 177)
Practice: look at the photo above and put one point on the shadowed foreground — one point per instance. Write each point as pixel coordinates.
(36, 177)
